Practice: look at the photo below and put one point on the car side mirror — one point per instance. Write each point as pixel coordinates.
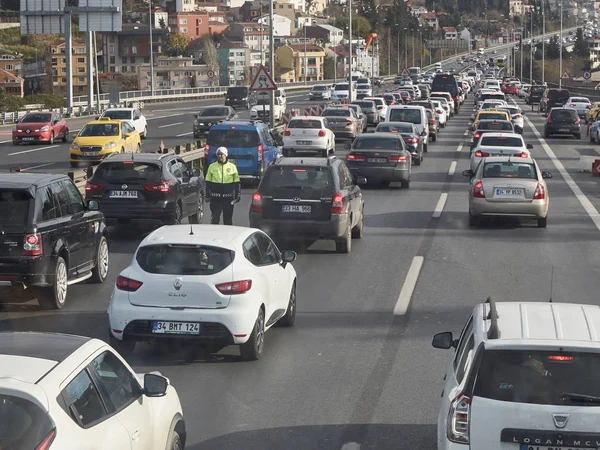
(444, 341)
(348, 145)
(467, 173)
(361, 181)
(196, 172)
(55, 121)
(74, 135)
(126, 135)
(547, 175)
(93, 205)
(155, 385)
(97, 117)
(288, 256)
(195, 116)
(529, 146)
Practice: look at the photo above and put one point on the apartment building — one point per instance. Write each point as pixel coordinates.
(234, 58)
(174, 73)
(11, 84)
(11, 62)
(192, 24)
(290, 59)
(126, 49)
(57, 61)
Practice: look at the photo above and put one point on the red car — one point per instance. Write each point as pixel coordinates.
(511, 89)
(40, 126)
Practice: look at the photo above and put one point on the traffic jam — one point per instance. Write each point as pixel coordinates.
(196, 284)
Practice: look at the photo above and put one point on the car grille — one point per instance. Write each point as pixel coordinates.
(89, 148)
(209, 331)
(263, 114)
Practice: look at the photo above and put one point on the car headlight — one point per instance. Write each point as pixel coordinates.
(110, 145)
(74, 146)
(201, 123)
(46, 128)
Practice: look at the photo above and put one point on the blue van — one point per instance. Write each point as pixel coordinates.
(251, 146)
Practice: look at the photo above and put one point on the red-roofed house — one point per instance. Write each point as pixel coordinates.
(290, 62)
(430, 19)
(450, 33)
(193, 24)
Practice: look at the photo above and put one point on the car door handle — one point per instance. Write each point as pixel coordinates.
(135, 435)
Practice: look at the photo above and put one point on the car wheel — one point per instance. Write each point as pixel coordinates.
(145, 133)
(74, 165)
(425, 148)
(51, 141)
(66, 136)
(405, 184)
(417, 161)
(325, 153)
(122, 149)
(55, 296)
(592, 139)
(252, 349)
(125, 347)
(199, 215)
(473, 220)
(100, 272)
(433, 137)
(290, 316)
(344, 245)
(176, 219)
(542, 222)
(359, 230)
(546, 135)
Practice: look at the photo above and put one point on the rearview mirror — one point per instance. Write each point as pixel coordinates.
(361, 181)
(467, 173)
(93, 205)
(546, 175)
(529, 146)
(444, 341)
(348, 145)
(155, 385)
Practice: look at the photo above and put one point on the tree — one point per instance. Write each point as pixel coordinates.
(368, 10)
(177, 44)
(360, 25)
(329, 68)
(553, 48)
(580, 48)
(209, 51)
(161, 23)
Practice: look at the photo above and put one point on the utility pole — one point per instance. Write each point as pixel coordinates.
(544, 42)
(349, 51)
(521, 46)
(89, 53)
(69, 59)
(305, 64)
(272, 64)
(97, 73)
(531, 47)
(389, 52)
(151, 27)
(560, 43)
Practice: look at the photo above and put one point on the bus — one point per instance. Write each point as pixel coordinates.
(501, 61)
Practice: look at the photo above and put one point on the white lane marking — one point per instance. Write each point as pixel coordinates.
(37, 167)
(171, 125)
(452, 168)
(410, 282)
(466, 133)
(351, 446)
(165, 117)
(5, 142)
(459, 148)
(585, 202)
(32, 150)
(183, 134)
(437, 212)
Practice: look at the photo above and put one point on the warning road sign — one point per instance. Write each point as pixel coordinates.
(565, 76)
(263, 81)
(587, 75)
(405, 73)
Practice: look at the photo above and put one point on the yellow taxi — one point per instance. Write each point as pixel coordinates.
(100, 138)
(490, 114)
(592, 113)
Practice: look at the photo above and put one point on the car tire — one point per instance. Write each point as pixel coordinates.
(74, 165)
(417, 161)
(289, 318)
(325, 153)
(359, 230)
(433, 137)
(546, 135)
(55, 296)
(139, 148)
(122, 149)
(144, 135)
(405, 184)
(425, 147)
(198, 217)
(100, 271)
(125, 347)
(541, 223)
(174, 442)
(252, 349)
(592, 139)
(473, 220)
(344, 244)
(66, 136)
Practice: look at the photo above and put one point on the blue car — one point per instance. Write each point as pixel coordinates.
(250, 144)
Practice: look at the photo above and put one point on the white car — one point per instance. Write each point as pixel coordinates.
(380, 104)
(65, 392)
(499, 144)
(308, 133)
(262, 109)
(581, 104)
(132, 115)
(516, 116)
(448, 98)
(445, 105)
(491, 104)
(210, 285)
(441, 112)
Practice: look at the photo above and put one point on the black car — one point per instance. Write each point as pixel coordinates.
(211, 115)
(413, 141)
(486, 126)
(447, 83)
(147, 189)
(534, 95)
(49, 237)
(307, 199)
(563, 121)
(553, 98)
(240, 96)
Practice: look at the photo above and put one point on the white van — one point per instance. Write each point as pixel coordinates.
(410, 114)
(341, 92)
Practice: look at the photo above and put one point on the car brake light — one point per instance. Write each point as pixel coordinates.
(577, 120)
(47, 442)
(90, 186)
(236, 287)
(522, 155)
(481, 154)
(127, 284)
(540, 194)
(372, 111)
(548, 99)
(32, 245)
(163, 186)
(206, 149)
(353, 157)
(572, 105)
(322, 133)
(549, 119)
(411, 140)
(459, 418)
(477, 135)
(478, 190)
(517, 116)
(349, 122)
(260, 153)
(286, 133)
(560, 358)
(337, 204)
(256, 205)
(397, 158)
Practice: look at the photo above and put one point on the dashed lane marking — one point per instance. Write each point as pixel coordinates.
(439, 208)
(452, 168)
(33, 150)
(171, 125)
(408, 288)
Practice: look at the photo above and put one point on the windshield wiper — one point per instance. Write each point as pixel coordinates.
(579, 398)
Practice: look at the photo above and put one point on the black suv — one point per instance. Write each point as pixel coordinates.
(147, 189)
(563, 121)
(240, 96)
(553, 98)
(49, 238)
(534, 95)
(447, 83)
(310, 198)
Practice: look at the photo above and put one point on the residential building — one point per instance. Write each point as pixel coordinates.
(231, 4)
(341, 56)
(254, 35)
(465, 35)
(282, 26)
(317, 7)
(217, 27)
(594, 47)
(327, 33)
(251, 10)
(194, 24)
(58, 62)
(287, 9)
(210, 7)
(173, 73)
(290, 60)
(416, 12)
(11, 84)
(125, 50)
(12, 62)
(430, 19)
(299, 5)
(160, 16)
(450, 34)
(234, 58)
(515, 7)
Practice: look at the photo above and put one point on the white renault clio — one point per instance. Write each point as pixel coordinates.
(210, 285)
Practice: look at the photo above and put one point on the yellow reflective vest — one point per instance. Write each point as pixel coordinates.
(222, 180)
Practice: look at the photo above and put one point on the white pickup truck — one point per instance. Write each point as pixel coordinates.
(262, 109)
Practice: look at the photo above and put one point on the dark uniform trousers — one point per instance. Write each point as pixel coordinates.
(218, 206)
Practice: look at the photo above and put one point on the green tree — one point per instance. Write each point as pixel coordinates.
(329, 68)
(580, 48)
(177, 44)
(553, 48)
(360, 25)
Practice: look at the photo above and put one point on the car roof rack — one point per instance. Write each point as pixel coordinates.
(494, 331)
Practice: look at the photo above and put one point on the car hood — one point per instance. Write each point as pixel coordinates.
(211, 119)
(32, 125)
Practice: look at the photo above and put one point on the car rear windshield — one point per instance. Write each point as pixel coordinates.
(405, 115)
(563, 114)
(319, 88)
(539, 377)
(362, 81)
(117, 115)
(298, 178)
(364, 86)
(240, 90)
(183, 259)
(23, 425)
(130, 171)
(372, 143)
(579, 100)
(537, 89)
(341, 112)
(502, 141)
(495, 96)
(365, 105)
(14, 208)
(493, 116)
(36, 118)
(214, 111)
(555, 94)
(499, 126)
(509, 169)
(304, 123)
(233, 138)
(395, 128)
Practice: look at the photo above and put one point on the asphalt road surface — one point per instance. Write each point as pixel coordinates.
(352, 374)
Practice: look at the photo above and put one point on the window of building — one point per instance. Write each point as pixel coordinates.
(81, 50)
(146, 60)
(312, 61)
(198, 21)
(187, 74)
(64, 70)
(54, 62)
(81, 79)
(64, 60)
(183, 21)
(134, 49)
(183, 30)
(126, 49)
(112, 60)
(9, 67)
(81, 70)
(81, 60)
(176, 74)
(64, 80)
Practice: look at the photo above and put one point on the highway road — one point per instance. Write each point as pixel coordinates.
(352, 374)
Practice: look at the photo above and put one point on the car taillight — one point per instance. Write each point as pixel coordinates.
(90, 186)
(372, 111)
(572, 105)
(459, 419)
(353, 157)
(47, 442)
(397, 158)
(540, 193)
(522, 155)
(256, 205)
(322, 133)
(260, 153)
(476, 135)
(548, 99)
(517, 116)
(286, 133)
(337, 204)
(478, 190)
(577, 120)
(32, 245)
(349, 122)
(411, 140)
(481, 154)
(549, 120)
(206, 149)
(127, 284)
(237, 287)
(163, 186)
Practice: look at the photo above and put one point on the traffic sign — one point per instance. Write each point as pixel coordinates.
(211, 74)
(587, 75)
(565, 76)
(263, 81)
(405, 73)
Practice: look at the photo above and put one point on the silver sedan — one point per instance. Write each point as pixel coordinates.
(507, 186)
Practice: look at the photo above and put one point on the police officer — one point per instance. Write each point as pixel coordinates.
(223, 188)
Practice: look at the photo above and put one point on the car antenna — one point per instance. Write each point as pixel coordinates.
(191, 230)
(551, 282)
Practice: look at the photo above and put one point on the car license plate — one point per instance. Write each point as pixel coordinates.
(28, 139)
(509, 192)
(563, 130)
(123, 194)
(537, 447)
(304, 142)
(90, 153)
(175, 328)
(305, 209)
(377, 160)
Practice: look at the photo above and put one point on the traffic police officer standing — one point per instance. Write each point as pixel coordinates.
(223, 188)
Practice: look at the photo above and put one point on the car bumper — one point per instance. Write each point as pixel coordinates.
(159, 213)
(201, 130)
(75, 158)
(397, 173)
(36, 136)
(26, 271)
(234, 103)
(332, 229)
(319, 97)
(344, 133)
(316, 145)
(536, 209)
(562, 129)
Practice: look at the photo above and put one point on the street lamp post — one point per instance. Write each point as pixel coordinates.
(398, 51)
(531, 47)
(544, 44)
(406, 46)
(150, 26)
(305, 63)
(349, 50)
(560, 43)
